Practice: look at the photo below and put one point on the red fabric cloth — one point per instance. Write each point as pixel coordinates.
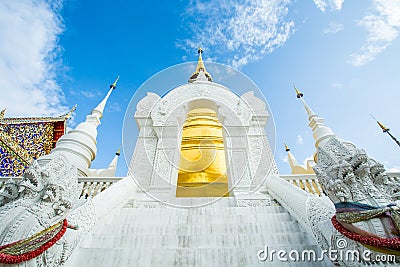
(13, 259)
(390, 243)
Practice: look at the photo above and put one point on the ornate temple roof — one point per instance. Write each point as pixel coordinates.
(14, 120)
(23, 139)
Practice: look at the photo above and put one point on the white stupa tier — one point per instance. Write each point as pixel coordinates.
(79, 144)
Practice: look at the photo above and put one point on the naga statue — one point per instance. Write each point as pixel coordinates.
(33, 214)
(366, 200)
(36, 212)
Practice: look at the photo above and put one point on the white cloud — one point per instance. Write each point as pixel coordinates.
(333, 28)
(86, 94)
(71, 123)
(321, 4)
(113, 107)
(382, 25)
(337, 85)
(237, 32)
(300, 139)
(393, 169)
(29, 50)
(331, 4)
(285, 159)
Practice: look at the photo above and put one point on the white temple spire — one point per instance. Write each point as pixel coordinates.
(100, 107)
(309, 111)
(113, 164)
(79, 144)
(110, 171)
(320, 131)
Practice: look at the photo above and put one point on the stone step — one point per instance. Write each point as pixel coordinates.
(187, 257)
(204, 211)
(207, 236)
(198, 219)
(133, 228)
(216, 241)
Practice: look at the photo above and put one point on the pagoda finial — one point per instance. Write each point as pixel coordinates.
(2, 114)
(298, 93)
(287, 149)
(386, 130)
(320, 131)
(112, 167)
(308, 109)
(200, 73)
(100, 108)
(69, 113)
(200, 63)
(114, 85)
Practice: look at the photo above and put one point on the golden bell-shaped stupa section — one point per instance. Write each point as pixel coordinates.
(202, 167)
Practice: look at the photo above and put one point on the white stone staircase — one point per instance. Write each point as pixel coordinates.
(208, 236)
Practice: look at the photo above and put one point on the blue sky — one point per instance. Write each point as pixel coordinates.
(344, 56)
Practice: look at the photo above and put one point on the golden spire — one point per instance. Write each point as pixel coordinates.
(287, 149)
(114, 85)
(200, 68)
(2, 114)
(386, 130)
(69, 113)
(298, 93)
(200, 63)
(118, 152)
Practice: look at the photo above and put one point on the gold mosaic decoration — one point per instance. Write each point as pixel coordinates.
(21, 143)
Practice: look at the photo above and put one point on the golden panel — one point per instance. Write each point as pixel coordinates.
(22, 143)
(202, 167)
